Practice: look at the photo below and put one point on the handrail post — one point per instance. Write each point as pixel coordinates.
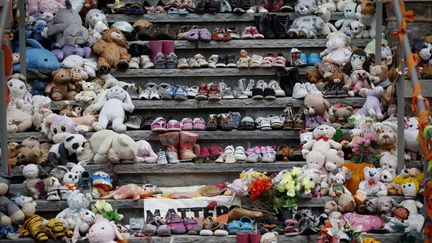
(22, 38)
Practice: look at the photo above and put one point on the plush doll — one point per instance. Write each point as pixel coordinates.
(38, 59)
(112, 51)
(382, 206)
(386, 133)
(43, 6)
(67, 151)
(146, 152)
(103, 231)
(379, 75)
(96, 22)
(317, 113)
(57, 229)
(32, 182)
(357, 30)
(18, 93)
(18, 121)
(334, 161)
(321, 143)
(409, 188)
(310, 179)
(78, 168)
(114, 147)
(61, 87)
(388, 161)
(10, 212)
(64, 18)
(366, 15)
(350, 15)
(76, 40)
(356, 69)
(337, 50)
(133, 191)
(57, 128)
(306, 24)
(87, 218)
(70, 181)
(324, 12)
(89, 64)
(306, 222)
(339, 115)
(422, 50)
(71, 215)
(372, 105)
(337, 186)
(71, 110)
(112, 106)
(33, 226)
(87, 94)
(387, 176)
(411, 132)
(102, 184)
(371, 186)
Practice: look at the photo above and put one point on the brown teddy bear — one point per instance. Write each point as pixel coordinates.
(314, 77)
(336, 86)
(340, 115)
(112, 51)
(19, 154)
(71, 110)
(379, 75)
(61, 88)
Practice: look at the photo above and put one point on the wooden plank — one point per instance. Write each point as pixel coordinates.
(197, 18)
(426, 85)
(222, 104)
(258, 44)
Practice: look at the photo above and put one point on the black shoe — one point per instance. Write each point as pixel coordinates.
(287, 79)
(222, 61)
(266, 26)
(136, 50)
(280, 23)
(257, 94)
(329, 91)
(231, 61)
(269, 94)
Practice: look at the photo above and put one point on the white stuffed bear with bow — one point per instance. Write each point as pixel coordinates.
(112, 106)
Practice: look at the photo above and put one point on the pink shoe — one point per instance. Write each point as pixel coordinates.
(186, 124)
(250, 151)
(215, 151)
(199, 124)
(255, 33)
(159, 125)
(205, 153)
(247, 33)
(173, 126)
(263, 149)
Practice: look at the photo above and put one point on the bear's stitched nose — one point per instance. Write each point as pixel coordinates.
(386, 136)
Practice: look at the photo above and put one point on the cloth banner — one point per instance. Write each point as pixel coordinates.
(195, 207)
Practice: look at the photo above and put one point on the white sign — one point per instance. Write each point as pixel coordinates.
(195, 207)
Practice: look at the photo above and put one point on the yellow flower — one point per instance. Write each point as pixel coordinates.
(107, 207)
(99, 204)
(307, 184)
(296, 171)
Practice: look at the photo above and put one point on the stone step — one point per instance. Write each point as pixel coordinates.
(198, 18)
(222, 104)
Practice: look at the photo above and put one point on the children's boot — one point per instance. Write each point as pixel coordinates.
(187, 142)
(170, 141)
(156, 50)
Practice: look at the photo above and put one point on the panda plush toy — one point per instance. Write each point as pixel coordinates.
(62, 153)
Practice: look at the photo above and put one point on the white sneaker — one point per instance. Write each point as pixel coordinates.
(154, 94)
(275, 122)
(256, 61)
(279, 92)
(134, 63)
(269, 157)
(312, 89)
(240, 153)
(299, 91)
(146, 63)
(261, 84)
(145, 94)
(212, 60)
(192, 92)
(229, 154)
(248, 90)
(265, 124)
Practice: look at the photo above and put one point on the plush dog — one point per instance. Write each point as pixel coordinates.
(386, 136)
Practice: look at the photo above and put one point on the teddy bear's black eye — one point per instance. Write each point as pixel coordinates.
(103, 228)
(87, 213)
(21, 87)
(55, 130)
(70, 176)
(10, 84)
(63, 128)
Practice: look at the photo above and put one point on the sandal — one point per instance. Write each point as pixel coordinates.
(267, 61)
(279, 61)
(199, 124)
(193, 35)
(172, 10)
(159, 125)
(212, 124)
(186, 124)
(204, 35)
(183, 32)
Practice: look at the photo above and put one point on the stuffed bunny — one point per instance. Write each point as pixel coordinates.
(20, 98)
(103, 231)
(112, 106)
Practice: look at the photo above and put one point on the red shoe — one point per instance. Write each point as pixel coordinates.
(202, 92)
(214, 92)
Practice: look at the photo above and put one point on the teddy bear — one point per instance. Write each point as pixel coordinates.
(35, 186)
(324, 12)
(382, 206)
(306, 24)
(337, 187)
(357, 30)
(366, 15)
(96, 22)
(64, 18)
(314, 77)
(331, 209)
(146, 152)
(409, 188)
(411, 131)
(87, 94)
(372, 106)
(317, 113)
(386, 136)
(321, 144)
(350, 15)
(112, 105)
(387, 176)
(379, 75)
(18, 121)
(388, 161)
(71, 215)
(371, 186)
(108, 145)
(339, 115)
(76, 41)
(334, 162)
(336, 85)
(112, 51)
(337, 50)
(18, 93)
(61, 88)
(346, 203)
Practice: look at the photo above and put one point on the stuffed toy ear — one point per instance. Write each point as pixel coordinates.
(418, 45)
(106, 145)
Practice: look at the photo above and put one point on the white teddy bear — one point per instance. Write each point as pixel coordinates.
(112, 106)
(357, 30)
(71, 215)
(306, 24)
(350, 15)
(321, 144)
(20, 97)
(388, 161)
(88, 92)
(372, 186)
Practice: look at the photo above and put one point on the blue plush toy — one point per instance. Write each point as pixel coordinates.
(8, 232)
(38, 88)
(39, 60)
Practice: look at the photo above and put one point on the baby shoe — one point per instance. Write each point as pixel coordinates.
(202, 92)
(201, 60)
(171, 61)
(160, 61)
(173, 126)
(212, 123)
(256, 61)
(240, 153)
(169, 93)
(314, 58)
(192, 92)
(212, 60)
(234, 33)
(145, 62)
(192, 226)
(159, 125)
(199, 124)
(279, 92)
(161, 158)
(134, 63)
(181, 93)
(186, 124)
(176, 224)
(229, 154)
(182, 63)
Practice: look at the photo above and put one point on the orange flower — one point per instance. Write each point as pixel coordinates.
(258, 186)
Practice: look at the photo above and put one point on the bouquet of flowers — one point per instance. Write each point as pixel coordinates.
(335, 231)
(287, 184)
(365, 149)
(105, 209)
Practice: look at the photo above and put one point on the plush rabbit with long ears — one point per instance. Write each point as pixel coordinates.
(104, 231)
(20, 97)
(112, 106)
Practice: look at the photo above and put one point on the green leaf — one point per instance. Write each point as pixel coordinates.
(429, 168)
